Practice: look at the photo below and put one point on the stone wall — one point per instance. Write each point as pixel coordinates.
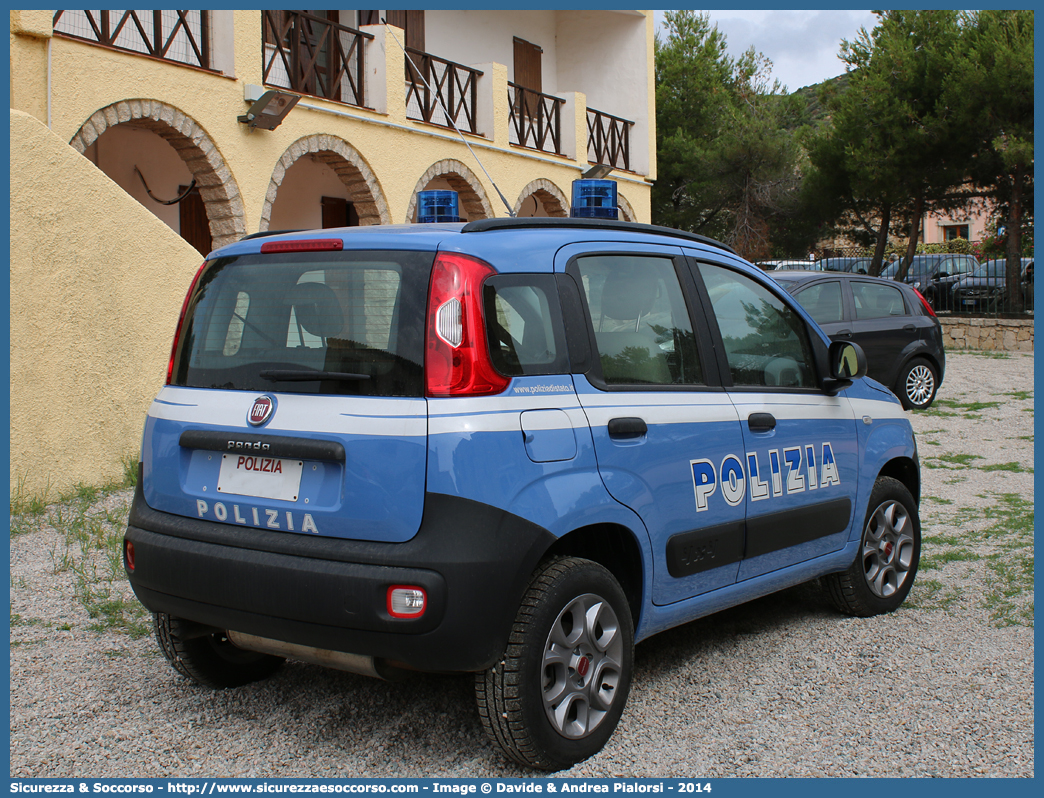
(1010, 335)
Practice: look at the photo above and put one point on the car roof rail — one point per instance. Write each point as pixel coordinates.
(550, 222)
(266, 233)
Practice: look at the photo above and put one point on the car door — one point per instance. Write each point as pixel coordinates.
(665, 434)
(800, 449)
(882, 326)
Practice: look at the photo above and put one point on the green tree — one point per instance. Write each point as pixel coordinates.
(693, 74)
(893, 148)
(991, 90)
(725, 156)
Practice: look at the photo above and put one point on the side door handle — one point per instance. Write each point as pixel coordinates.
(627, 428)
(909, 327)
(844, 333)
(761, 422)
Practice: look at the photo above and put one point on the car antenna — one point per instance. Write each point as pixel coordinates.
(451, 121)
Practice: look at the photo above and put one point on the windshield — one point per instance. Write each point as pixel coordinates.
(354, 320)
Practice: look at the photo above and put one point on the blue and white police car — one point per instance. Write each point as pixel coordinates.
(512, 447)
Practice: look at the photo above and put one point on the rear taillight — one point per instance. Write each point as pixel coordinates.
(181, 322)
(456, 357)
(925, 303)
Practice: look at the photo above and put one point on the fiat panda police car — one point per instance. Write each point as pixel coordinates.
(512, 447)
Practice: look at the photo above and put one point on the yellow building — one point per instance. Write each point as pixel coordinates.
(137, 144)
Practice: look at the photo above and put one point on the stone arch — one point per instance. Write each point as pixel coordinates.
(363, 189)
(626, 210)
(554, 200)
(217, 187)
(470, 192)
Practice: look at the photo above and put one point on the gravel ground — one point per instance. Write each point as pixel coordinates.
(783, 686)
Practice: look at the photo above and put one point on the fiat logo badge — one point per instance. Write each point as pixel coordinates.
(261, 410)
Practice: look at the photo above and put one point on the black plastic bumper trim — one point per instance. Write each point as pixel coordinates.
(474, 561)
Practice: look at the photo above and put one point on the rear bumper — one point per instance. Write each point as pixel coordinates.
(473, 561)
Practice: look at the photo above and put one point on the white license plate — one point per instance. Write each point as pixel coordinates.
(263, 477)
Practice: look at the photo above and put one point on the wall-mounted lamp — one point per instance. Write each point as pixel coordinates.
(596, 172)
(270, 109)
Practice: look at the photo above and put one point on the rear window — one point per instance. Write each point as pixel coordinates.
(331, 323)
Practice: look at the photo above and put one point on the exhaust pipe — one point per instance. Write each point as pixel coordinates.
(361, 664)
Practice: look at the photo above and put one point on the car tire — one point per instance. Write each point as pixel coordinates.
(211, 660)
(917, 385)
(558, 692)
(885, 565)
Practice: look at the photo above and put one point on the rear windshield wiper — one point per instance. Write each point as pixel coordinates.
(306, 375)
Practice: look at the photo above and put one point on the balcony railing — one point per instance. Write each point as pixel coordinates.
(454, 84)
(179, 36)
(535, 119)
(312, 55)
(608, 139)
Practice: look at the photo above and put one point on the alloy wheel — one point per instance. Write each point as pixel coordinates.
(888, 549)
(582, 665)
(920, 384)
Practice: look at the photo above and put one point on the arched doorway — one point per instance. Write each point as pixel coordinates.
(322, 181)
(146, 143)
(452, 175)
(542, 198)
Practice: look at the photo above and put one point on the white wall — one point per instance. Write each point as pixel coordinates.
(477, 37)
(607, 59)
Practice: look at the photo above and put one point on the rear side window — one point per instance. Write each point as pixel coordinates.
(337, 323)
(524, 325)
(875, 301)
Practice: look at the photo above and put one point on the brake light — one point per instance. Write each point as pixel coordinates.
(925, 303)
(306, 245)
(456, 357)
(181, 322)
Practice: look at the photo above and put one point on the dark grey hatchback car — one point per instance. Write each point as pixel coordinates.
(892, 322)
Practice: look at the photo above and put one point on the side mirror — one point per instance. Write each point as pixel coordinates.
(847, 362)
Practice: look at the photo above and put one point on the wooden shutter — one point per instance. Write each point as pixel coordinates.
(527, 65)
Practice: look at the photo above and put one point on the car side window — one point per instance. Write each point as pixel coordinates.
(523, 325)
(822, 301)
(641, 324)
(766, 341)
(877, 300)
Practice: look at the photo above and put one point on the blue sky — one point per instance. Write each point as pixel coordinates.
(803, 45)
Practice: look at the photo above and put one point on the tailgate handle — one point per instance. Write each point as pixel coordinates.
(627, 428)
(761, 422)
(264, 445)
